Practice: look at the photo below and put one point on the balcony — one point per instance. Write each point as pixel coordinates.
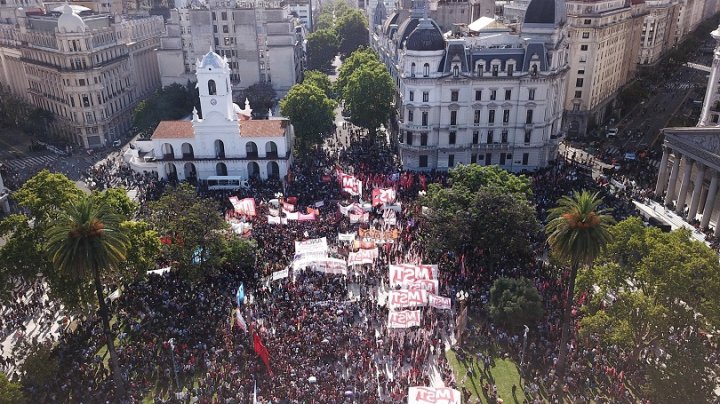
(406, 146)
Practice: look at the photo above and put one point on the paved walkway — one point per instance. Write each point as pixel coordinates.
(651, 208)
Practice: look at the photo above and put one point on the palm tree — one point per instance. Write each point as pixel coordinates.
(85, 240)
(577, 232)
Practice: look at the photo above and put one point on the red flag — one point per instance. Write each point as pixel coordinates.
(262, 352)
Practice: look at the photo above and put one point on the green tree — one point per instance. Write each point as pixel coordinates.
(312, 114)
(319, 80)
(118, 200)
(85, 240)
(262, 98)
(368, 96)
(10, 393)
(192, 224)
(352, 31)
(514, 302)
(577, 232)
(473, 177)
(46, 194)
(168, 103)
(40, 367)
(239, 253)
(322, 46)
(486, 226)
(361, 57)
(144, 248)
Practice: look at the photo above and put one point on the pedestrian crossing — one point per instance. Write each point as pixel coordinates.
(30, 162)
(679, 86)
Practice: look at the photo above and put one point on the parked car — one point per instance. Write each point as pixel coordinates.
(611, 133)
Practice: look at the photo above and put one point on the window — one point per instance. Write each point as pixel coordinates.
(82, 82)
(223, 16)
(587, 22)
(228, 41)
(529, 117)
(525, 158)
(424, 119)
(412, 70)
(217, 42)
(531, 94)
(506, 115)
(510, 69)
(423, 139)
(452, 137)
(579, 82)
(586, 35)
(583, 47)
(426, 70)
(214, 17)
(504, 136)
(215, 29)
(581, 71)
(478, 95)
(410, 115)
(495, 69)
(226, 30)
(491, 116)
(453, 118)
(490, 137)
(412, 96)
(493, 95)
(502, 159)
(211, 87)
(423, 161)
(456, 71)
(454, 95)
(426, 96)
(476, 118)
(409, 137)
(508, 95)
(473, 158)
(451, 160)
(528, 135)
(578, 94)
(488, 159)
(476, 137)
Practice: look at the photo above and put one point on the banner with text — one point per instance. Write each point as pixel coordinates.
(383, 195)
(312, 245)
(363, 256)
(433, 395)
(439, 302)
(400, 299)
(350, 184)
(243, 206)
(404, 319)
(430, 285)
(409, 273)
(281, 274)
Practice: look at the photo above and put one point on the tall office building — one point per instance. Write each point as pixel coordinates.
(89, 69)
(260, 40)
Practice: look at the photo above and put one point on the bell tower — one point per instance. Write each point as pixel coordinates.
(213, 84)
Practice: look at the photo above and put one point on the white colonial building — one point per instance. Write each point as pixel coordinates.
(226, 141)
(483, 95)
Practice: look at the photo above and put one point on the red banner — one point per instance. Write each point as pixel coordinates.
(262, 352)
(383, 195)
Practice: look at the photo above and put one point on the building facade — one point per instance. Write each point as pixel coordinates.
(490, 97)
(659, 27)
(90, 70)
(259, 39)
(601, 56)
(226, 141)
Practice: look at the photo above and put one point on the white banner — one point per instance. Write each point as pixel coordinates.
(395, 207)
(312, 245)
(430, 285)
(241, 227)
(291, 215)
(439, 302)
(274, 212)
(346, 236)
(389, 217)
(350, 184)
(363, 256)
(322, 264)
(276, 220)
(363, 218)
(433, 395)
(400, 299)
(244, 206)
(281, 274)
(404, 319)
(408, 273)
(319, 204)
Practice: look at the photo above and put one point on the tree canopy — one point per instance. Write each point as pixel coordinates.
(656, 292)
(262, 98)
(10, 393)
(320, 80)
(361, 57)
(312, 114)
(352, 31)
(368, 96)
(488, 225)
(322, 46)
(171, 102)
(514, 302)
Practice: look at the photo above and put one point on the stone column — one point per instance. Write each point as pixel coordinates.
(682, 195)
(697, 191)
(672, 184)
(710, 201)
(662, 175)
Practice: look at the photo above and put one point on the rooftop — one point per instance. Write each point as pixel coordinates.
(274, 127)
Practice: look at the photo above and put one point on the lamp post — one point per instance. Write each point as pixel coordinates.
(172, 356)
(462, 297)
(522, 355)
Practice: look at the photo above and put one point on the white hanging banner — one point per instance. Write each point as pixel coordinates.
(280, 274)
(439, 302)
(408, 273)
(346, 236)
(430, 285)
(400, 299)
(311, 246)
(433, 395)
(404, 319)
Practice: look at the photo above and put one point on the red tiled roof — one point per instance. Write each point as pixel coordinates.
(263, 128)
(173, 130)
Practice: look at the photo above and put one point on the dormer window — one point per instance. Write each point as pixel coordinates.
(426, 70)
(456, 71)
(412, 70)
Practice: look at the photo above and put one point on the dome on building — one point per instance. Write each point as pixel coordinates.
(426, 37)
(69, 21)
(212, 59)
(405, 29)
(545, 12)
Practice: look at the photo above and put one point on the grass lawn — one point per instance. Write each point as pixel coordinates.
(503, 371)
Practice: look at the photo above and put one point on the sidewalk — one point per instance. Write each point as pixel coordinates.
(667, 216)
